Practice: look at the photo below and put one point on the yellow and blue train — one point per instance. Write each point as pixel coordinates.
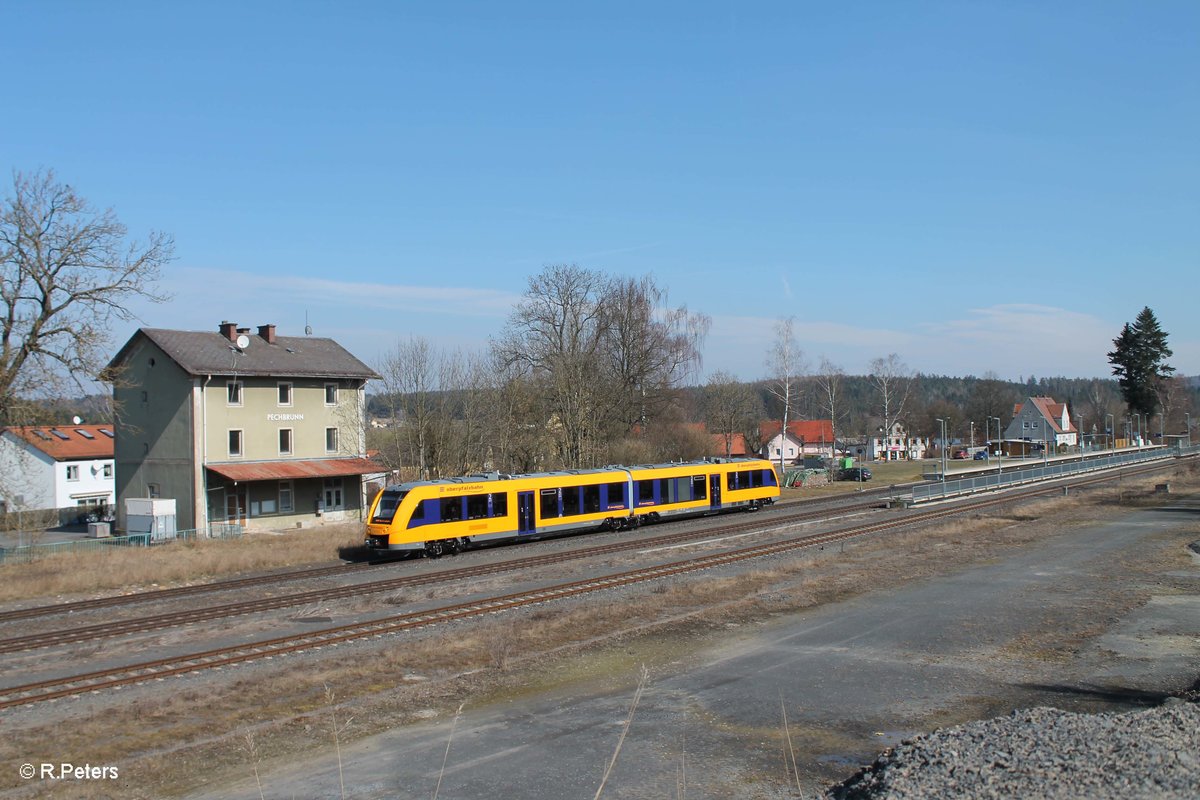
(445, 516)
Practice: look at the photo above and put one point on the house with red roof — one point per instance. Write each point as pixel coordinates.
(56, 466)
(803, 437)
(1041, 419)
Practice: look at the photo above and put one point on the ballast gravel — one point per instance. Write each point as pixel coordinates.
(1043, 753)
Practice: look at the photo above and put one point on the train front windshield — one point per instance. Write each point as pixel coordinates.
(389, 501)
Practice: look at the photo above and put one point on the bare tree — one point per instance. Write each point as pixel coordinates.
(829, 384)
(68, 273)
(893, 379)
(785, 364)
(650, 348)
(556, 335)
(730, 407)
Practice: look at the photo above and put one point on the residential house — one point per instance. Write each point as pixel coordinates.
(261, 430)
(57, 466)
(803, 437)
(732, 445)
(1040, 419)
(896, 445)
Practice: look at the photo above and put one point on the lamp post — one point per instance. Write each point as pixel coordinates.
(971, 446)
(1189, 428)
(1112, 445)
(999, 451)
(943, 454)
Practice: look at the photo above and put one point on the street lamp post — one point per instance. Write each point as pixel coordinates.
(1189, 428)
(999, 451)
(943, 454)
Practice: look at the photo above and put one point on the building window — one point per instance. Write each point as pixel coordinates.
(285, 394)
(233, 393)
(235, 443)
(285, 441)
(72, 472)
(108, 470)
(285, 496)
(333, 494)
(153, 490)
(331, 440)
(331, 394)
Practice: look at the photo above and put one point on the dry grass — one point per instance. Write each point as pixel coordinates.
(131, 569)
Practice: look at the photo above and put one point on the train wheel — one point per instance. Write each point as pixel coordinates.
(435, 549)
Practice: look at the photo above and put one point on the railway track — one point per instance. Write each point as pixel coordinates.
(279, 646)
(174, 619)
(158, 595)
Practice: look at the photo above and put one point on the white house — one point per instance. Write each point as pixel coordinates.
(1040, 419)
(48, 466)
(897, 445)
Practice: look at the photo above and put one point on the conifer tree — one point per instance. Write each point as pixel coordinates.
(1139, 362)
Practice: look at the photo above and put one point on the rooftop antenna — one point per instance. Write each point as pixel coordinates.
(307, 327)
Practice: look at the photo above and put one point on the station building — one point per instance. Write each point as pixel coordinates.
(254, 429)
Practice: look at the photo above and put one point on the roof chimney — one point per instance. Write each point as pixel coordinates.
(267, 332)
(228, 330)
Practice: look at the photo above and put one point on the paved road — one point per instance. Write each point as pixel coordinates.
(853, 676)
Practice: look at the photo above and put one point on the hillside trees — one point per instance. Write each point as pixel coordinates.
(1139, 358)
(67, 272)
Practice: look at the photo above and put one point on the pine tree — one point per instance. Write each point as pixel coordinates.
(1139, 362)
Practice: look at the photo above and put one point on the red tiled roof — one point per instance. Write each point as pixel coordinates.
(737, 444)
(296, 468)
(809, 431)
(67, 442)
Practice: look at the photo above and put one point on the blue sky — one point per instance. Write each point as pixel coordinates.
(976, 186)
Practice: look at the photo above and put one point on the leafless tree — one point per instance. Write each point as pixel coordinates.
(556, 335)
(650, 348)
(731, 407)
(829, 386)
(68, 274)
(785, 365)
(893, 379)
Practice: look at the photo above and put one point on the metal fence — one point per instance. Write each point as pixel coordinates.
(33, 552)
(996, 480)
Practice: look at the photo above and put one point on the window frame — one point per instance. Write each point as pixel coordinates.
(241, 442)
(335, 388)
(72, 472)
(291, 399)
(235, 393)
(336, 439)
(291, 441)
(288, 489)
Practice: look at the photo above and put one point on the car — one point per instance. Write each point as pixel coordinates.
(982, 455)
(855, 474)
(961, 454)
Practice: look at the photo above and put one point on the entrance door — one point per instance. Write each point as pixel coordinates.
(714, 490)
(525, 519)
(235, 505)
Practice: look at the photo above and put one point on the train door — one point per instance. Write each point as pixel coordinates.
(714, 490)
(525, 518)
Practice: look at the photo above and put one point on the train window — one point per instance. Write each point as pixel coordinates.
(730, 480)
(699, 487)
(418, 515)
(389, 501)
(571, 501)
(591, 499)
(769, 477)
(500, 504)
(645, 492)
(452, 510)
(616, 495)
(550, 503)
(477, 506)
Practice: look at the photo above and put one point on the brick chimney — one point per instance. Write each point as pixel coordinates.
(267, 332)
(228, 330)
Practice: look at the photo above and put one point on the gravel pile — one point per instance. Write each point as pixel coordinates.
(1043, 753)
